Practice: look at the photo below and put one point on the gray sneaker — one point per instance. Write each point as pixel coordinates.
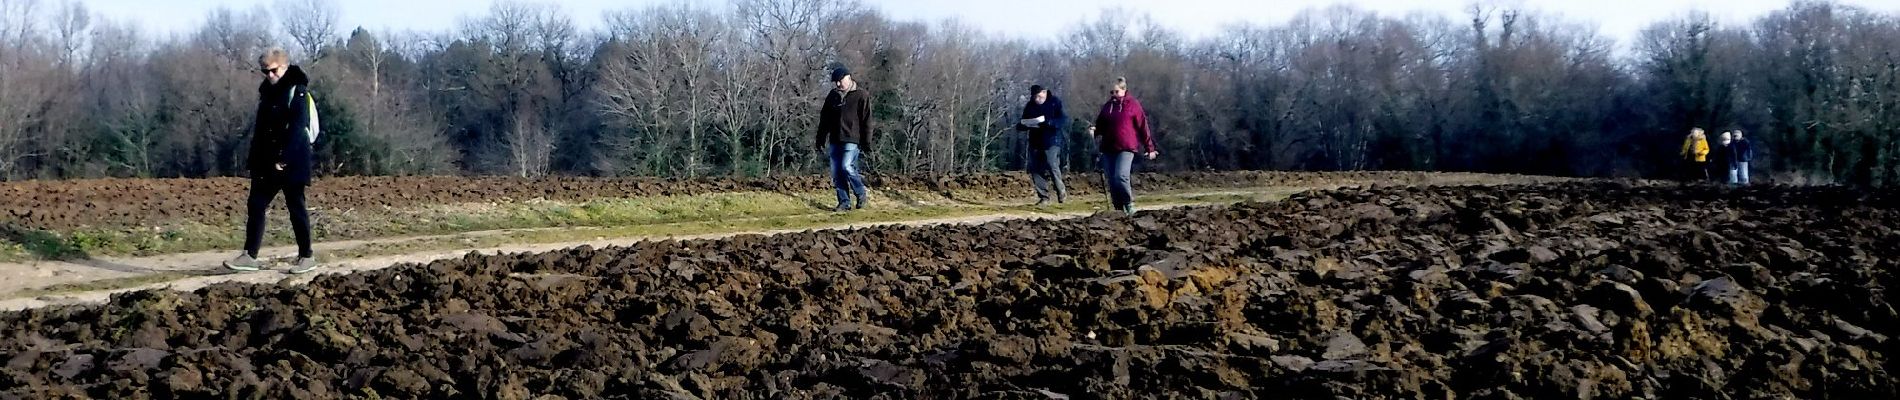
(243, 263)
(303, 265)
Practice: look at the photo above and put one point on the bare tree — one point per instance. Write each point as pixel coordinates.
(374, 81)
(686, 91)
(733, 100)
(789, 36)
(70, 25)
(660, 81)
(124, 105)
(515, 77)
(21, 54)
(312, 23)
(632, 91)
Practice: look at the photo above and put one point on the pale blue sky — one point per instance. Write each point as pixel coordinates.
(1031, 19)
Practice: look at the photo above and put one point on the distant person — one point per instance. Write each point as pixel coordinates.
(1124, 131)
(1740, 154)
(844, 131)
(1695, 155)
(1046, 122)
(279, 159)
(1721, 156)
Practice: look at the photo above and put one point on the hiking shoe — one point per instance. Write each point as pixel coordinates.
(842, 207)
(1128, 209)
(1043, 202)
(860, 202)
(303, 265)
(243, 263)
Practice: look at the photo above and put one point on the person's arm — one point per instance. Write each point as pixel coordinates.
(293, 140)
(819, 140)
(864, 121)
(1025, 115)
(1058, 119)
(1101, 118)
(259, 137)
(1143, 134)
(299, 114)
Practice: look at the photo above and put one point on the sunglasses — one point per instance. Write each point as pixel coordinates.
(269, 71)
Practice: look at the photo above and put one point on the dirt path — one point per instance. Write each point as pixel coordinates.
(44, 283)
(25, 285)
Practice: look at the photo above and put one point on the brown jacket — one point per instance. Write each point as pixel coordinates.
(845, 118)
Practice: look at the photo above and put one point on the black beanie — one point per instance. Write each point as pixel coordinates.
(838, 74)
(1033, 89)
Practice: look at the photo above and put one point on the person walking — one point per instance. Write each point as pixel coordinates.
(1047, 123)
(1741, 153)
(844, 132)
(279, 159)
(1720, 158)
(1121, 129)
(1695, 155)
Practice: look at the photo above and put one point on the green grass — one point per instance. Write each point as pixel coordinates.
(29, 244)
(876, 215)
(335, 225)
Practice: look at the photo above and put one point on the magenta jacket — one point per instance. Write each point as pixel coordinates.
(1123, 126)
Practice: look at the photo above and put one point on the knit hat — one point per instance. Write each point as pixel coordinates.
(838, 74)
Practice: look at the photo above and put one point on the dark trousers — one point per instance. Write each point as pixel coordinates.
(265, 189)
(1695, 171)
(1045, 170)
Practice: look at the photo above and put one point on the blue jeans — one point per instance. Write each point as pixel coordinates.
(1045, 167)
(1115, 170)
(1738, 173)
(844, 172)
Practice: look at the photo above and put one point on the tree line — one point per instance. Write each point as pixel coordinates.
(688, 91)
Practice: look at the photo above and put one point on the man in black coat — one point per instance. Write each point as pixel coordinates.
(1047, 125)
(279, 159)
(844, 133)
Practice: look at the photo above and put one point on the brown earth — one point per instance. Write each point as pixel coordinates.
(114, 203)
(1575, 290)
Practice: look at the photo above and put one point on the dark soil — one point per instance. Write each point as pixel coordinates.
(1577, 290)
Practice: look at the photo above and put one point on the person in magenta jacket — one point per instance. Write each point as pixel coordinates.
(1121, 130)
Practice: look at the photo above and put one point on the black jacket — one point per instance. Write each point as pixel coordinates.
(845, 118)
(1054, 127)
(1740, 152)
(279, 134)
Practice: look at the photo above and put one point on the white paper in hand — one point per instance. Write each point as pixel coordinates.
(1032, 121)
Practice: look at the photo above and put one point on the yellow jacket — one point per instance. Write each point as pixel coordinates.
(1695, 148)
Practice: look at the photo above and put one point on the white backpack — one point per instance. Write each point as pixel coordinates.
(310, 104)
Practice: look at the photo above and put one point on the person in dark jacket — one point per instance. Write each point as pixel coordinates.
(1123, 131)
(279, 159)
(1044, 119)
(1740, 154)
(844, 130)
(1720, 159)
